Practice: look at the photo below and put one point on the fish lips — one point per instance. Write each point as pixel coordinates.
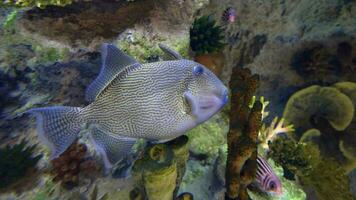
(202, 107)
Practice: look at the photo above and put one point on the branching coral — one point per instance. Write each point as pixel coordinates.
(268, 134)
(16, 161)
(205, 36)
(242, 138)
(68, 166)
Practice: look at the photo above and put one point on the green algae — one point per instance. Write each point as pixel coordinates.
(206, 138)
(142, 48)
(10, 20)
(36, 3)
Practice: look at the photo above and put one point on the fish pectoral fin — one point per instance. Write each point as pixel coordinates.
(113, 61)
(170, 52)
(112, 148)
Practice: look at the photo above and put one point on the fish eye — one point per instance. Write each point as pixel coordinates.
(272, 185)
(198, 70)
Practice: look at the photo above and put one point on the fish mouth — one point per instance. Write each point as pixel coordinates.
(203, 106)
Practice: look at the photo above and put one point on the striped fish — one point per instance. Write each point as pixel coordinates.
(266, 179)
(128, 100)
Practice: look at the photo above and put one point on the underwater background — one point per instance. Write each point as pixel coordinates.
(290, 66)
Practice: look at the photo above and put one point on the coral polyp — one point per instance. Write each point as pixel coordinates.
(71, 164)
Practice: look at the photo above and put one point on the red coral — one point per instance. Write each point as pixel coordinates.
(70, 164)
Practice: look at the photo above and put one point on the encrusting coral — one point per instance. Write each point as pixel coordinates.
(15, 162)
(72, 163)
(242, 138)
(159, 171)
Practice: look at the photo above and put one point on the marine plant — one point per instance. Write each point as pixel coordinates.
(10, 19)
(245, 123)
(72, 163)
(35, 3)
(16, 161)
(205, 35)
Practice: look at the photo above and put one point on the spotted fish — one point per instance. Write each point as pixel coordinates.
(266, 179)
(128, 100)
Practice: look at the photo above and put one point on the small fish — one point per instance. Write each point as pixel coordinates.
(229, 15)
(266, 179)
(128, 100)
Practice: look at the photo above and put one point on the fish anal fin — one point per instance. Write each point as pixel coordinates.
(113, 148)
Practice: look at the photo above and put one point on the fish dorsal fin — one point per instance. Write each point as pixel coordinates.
(172, 53)
(113, 62)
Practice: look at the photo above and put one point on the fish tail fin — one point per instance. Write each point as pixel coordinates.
(57, 126)
(113, 148)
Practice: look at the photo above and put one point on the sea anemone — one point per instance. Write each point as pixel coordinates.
(205, 36)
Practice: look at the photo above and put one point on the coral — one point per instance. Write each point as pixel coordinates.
(326, 102)
(143, 49)
(156, 173)
(309, 134)
(348, 88)
(37, 3)
(322, 175)
(205, 36)
(72, 163)
(292, 156)
(329, 180)
(264, 105)
(185, 196)
(205, 139)
(180, 149)
(16, 161)
(316, 61)
(242, 137)
(268, 134)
